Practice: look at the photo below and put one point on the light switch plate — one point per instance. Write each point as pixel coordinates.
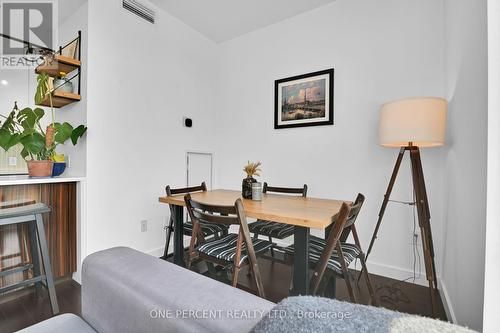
(12, 161)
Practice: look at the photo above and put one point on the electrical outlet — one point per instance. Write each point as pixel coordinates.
(12, 161)
(144, 225)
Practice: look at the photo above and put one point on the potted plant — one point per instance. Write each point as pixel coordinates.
(23, 127)
(251, 169)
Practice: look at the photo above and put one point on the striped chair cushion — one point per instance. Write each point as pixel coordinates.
(207, 228)
(316, 247)
(225, 248)
(272, 229)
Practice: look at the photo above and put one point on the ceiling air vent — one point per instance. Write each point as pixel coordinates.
(140, 10)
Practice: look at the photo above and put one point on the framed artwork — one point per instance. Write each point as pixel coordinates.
(304, 100)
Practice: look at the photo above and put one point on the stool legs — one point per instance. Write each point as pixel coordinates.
(46, 264)
(35, 256)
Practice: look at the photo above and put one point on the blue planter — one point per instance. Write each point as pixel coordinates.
(58, 168)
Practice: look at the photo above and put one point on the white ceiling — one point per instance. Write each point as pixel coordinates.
(222, 20)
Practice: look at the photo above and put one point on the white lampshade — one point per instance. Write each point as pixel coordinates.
(420, 121)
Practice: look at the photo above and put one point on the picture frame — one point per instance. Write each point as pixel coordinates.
(304, 100)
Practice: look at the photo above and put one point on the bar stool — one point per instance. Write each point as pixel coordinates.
(32, 216)
(22, 236)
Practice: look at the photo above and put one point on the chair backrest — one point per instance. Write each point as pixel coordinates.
(355, 208)
(343, 221)
(200, 212)
(289, 190)
(353, 215)
(176, 191)
(227, 215)
(171, 191)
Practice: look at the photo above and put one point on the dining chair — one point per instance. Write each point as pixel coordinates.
(209, 230)
(273, 229)
(233, 251)
(331, 257)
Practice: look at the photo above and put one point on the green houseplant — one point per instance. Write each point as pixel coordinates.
(39, 146)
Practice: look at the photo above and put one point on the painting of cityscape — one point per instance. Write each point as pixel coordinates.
(305, 100)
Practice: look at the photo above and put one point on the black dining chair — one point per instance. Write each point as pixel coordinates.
(331, 257)
(273, 229)
(209, 230)
(233, 251)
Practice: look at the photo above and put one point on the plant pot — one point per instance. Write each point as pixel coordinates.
(246, 187)
(58, 168)
(40, 168)
(64, 85)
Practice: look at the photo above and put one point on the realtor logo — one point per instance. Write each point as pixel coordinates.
(27, 28)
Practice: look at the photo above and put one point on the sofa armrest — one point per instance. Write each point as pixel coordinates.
(124, 290)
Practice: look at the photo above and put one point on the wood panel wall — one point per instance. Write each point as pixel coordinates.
(60, 229)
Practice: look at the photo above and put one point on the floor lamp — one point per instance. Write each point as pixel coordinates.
(410, 124)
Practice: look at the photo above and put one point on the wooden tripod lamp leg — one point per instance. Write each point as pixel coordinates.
(424, 223)
(423, 217)
(387, 196)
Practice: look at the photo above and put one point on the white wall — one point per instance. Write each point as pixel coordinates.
(465, 187)
(143, 79)
(491, 320)
(380, 51)
(76, 113)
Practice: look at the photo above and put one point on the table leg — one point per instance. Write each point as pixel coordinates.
(179, 236)
(301, 261)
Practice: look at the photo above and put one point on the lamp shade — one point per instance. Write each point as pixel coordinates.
(420, 121)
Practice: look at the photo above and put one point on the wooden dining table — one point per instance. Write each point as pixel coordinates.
(303, 213)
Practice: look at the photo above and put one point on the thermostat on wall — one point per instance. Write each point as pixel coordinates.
(187, 122)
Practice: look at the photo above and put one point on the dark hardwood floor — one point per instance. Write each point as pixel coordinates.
(28, 309)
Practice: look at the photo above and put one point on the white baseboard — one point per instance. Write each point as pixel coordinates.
(448, 308)
(396, 273)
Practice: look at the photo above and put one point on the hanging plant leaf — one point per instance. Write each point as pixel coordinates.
(42, 89)
(77, 134)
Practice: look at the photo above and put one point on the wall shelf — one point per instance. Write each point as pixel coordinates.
(60, 99)
(67, 60)
(59, 64)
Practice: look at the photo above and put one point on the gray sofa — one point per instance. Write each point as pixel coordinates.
(124, 291)
(127, 291)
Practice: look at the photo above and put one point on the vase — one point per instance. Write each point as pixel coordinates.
(246, 187)
(40, 168)
(64, 85)
(58, 169)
